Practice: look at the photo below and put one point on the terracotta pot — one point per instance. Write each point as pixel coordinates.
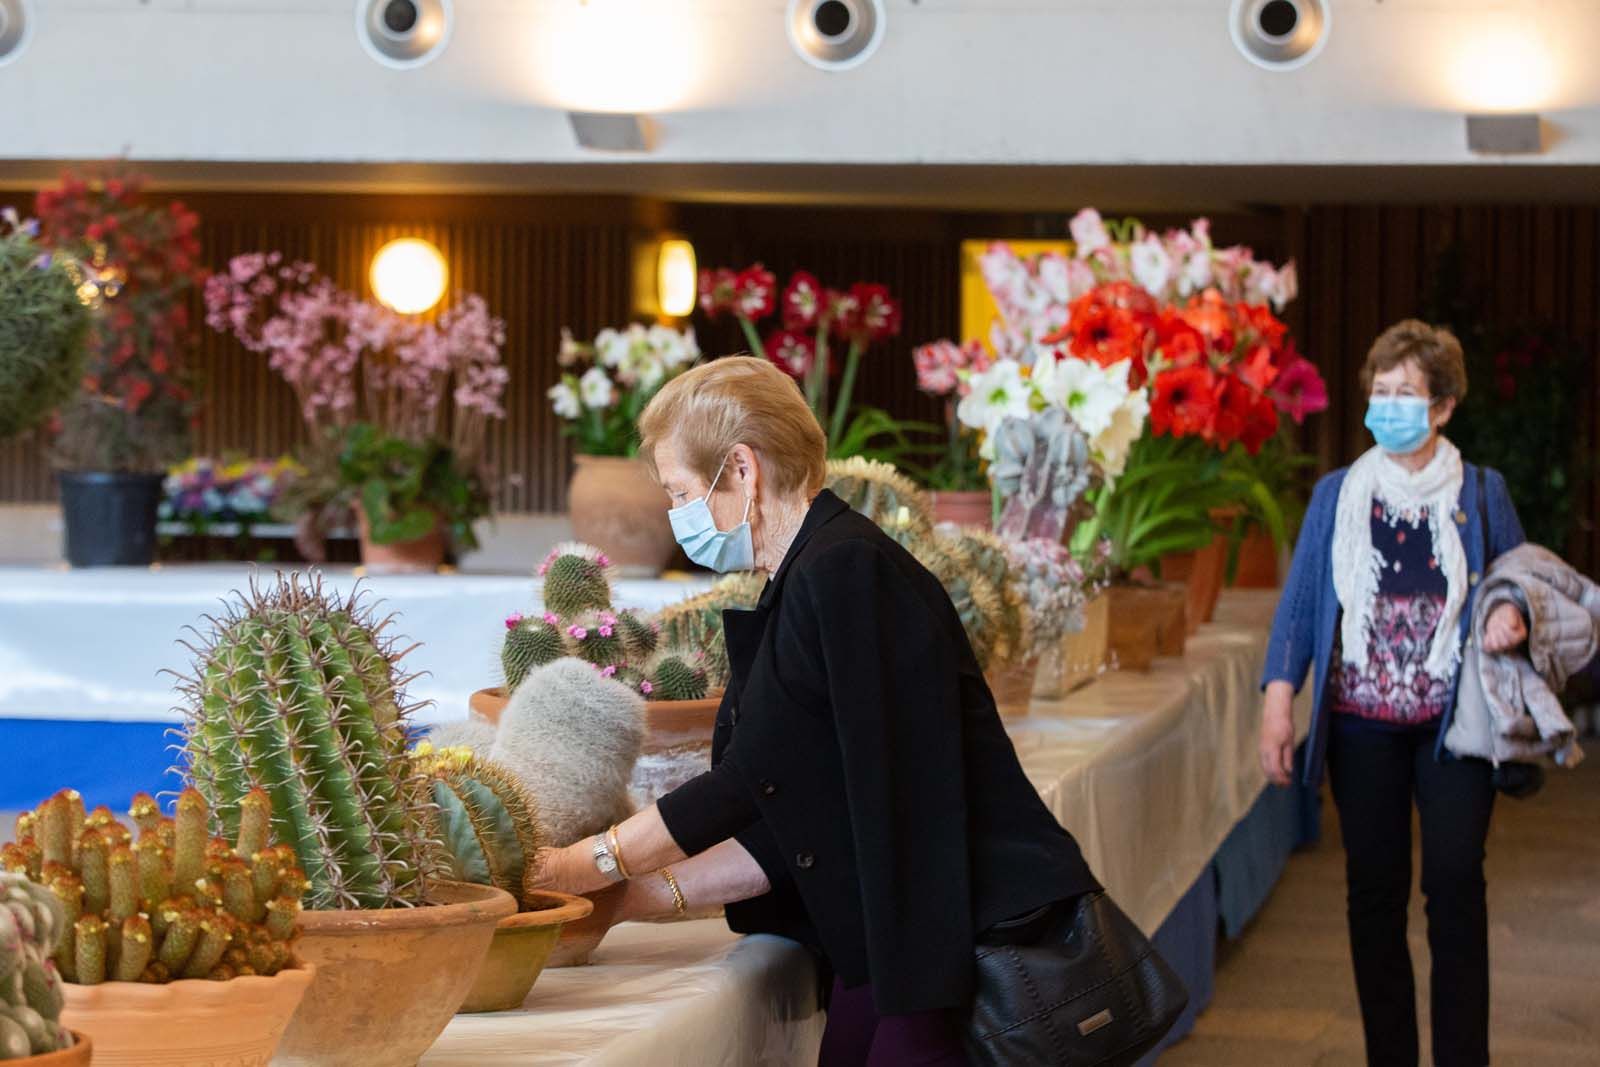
(422, 556)
(965, 508)
(1082, 655)
(189, 1023)
(1258, 562)
(521, 947)
(1136, 628)
(579, 939)
(79, 1055)
(1012, 686)
(669, 723)
(1202, 571)
(389, 980)
(1165, 606)
(617, 507)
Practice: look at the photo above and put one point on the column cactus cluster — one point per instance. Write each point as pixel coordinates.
(172, 903)
(579, 622)
(693, 627)
(296, 692)
(487, 821)
(32, 922)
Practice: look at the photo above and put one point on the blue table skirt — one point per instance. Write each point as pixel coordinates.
(108, 762)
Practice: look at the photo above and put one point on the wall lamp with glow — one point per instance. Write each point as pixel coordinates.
(409, 275)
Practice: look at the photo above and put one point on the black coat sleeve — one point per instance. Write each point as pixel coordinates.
(709, 808)
(893, 686)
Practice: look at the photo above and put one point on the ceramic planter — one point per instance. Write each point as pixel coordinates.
(617, 507)
(669, 724)
(422, 556)
(189, 1023)
(1012, 686)
(1201, 572)
(388, 980)
(1081, 656)
(1258, 562)
(579, 939)
(109, 517)
(969, 508)
(521, 947)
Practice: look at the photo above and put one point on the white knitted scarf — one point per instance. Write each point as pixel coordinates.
(1357, 563)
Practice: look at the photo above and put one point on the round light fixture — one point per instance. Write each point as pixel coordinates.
(16, 25)
(835, 34)
(403, 33)
(409, 275)
(677, 280)
(1280, 34)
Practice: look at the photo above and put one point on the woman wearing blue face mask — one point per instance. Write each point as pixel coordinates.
(1378, 602)
(865, 799)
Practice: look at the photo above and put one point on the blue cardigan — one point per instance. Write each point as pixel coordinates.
(1308, 614)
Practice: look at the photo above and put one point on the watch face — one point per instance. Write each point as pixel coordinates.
(606, 864)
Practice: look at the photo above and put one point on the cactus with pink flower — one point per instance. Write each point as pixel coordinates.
(579, 622)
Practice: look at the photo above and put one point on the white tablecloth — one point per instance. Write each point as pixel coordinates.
(1149, 771)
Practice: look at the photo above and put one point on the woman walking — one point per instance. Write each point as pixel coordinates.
(1377, 608)
(864, 799)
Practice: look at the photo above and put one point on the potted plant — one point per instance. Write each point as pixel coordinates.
(44, 329)
(194, 930)
(32, 926)
(136, 265)
(958, 488)
(228, 497)
(396, 409)
(604, 386)
(296, 691)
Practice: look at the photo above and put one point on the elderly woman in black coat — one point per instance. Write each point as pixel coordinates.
(864, 798)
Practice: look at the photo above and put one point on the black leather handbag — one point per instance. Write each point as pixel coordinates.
(1074, 984)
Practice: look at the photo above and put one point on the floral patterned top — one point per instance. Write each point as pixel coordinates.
(1395, 691)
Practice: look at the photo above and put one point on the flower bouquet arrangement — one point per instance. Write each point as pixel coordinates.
(812, 321)
(398, 409)
(201, 492)
(606, 383)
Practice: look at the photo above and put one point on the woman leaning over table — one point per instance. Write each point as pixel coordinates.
(865, 799)
(1378, 602)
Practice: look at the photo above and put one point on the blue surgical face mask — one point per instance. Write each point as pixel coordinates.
(1399, 424)
(720, 550)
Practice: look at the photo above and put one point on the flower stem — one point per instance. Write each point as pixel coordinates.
(841, 407)
(756, 347)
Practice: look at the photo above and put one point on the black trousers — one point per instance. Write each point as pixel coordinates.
(1375, 775)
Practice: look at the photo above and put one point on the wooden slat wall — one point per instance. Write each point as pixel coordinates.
(540, 263)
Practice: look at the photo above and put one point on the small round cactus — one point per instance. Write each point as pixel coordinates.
(639, 638)
(529, 643)
(576, 579)
(673, 678)
(487, 822)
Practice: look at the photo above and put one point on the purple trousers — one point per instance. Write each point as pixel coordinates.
(857, 1036)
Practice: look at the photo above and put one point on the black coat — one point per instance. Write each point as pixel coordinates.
(859, 758)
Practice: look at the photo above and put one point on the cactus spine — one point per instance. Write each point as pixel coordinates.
(579, 622)
(296, 692)
(487, 821)
(32, 923)
(176, 903)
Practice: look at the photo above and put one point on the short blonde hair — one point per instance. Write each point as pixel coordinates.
(1434, 349)
(737, 400)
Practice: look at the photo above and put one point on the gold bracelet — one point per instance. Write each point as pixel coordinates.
(678, 903)
(616, 851)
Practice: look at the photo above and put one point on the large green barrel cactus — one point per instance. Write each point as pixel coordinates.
(32, 922)
(487, 821)
(297, 692)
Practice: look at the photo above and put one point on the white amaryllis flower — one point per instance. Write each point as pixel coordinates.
(611, 347)
(996, 393)
(673, 348)
(564, 399)
(595, 388)
(1088, 232)
(1088, 392)
(1112, 445)
(1151, 265)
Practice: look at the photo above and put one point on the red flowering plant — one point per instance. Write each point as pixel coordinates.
(135, 264)
(812, 320)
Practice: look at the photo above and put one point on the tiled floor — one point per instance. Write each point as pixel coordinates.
(1285, 995)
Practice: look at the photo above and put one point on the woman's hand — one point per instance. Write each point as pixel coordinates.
(1276, 747)
(1505, 629)
(566, 870)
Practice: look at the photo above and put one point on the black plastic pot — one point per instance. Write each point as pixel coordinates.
(110, 517)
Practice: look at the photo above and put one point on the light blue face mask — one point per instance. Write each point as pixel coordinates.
(1399, 424)
(720, 550)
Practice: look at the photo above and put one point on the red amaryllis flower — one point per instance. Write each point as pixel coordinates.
(1235, 400)
(871, 314)
(755, 292)
(1180, 344)
(802, 301)
(1267, 327)
(792, 351)
(840, 308)
(1299, 390)
(717, 288)
(1259, 368)
(1184, 403)
(1109, 324)
(1213, 317)
(1261, 424)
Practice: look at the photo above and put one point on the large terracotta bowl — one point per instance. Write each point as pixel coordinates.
(521, 948)
(669, 724)
(188, 1023)
(389, 980)
(615, 505)
(78, 1055)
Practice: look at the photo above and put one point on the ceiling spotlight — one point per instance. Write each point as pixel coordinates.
(835, 34)
(403, 33)
(1280, 34)
(16, 24)
(612, 132)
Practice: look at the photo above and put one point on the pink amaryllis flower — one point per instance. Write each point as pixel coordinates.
(939, 365)
(1299, 390)
(793, 352)
(802, 301)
